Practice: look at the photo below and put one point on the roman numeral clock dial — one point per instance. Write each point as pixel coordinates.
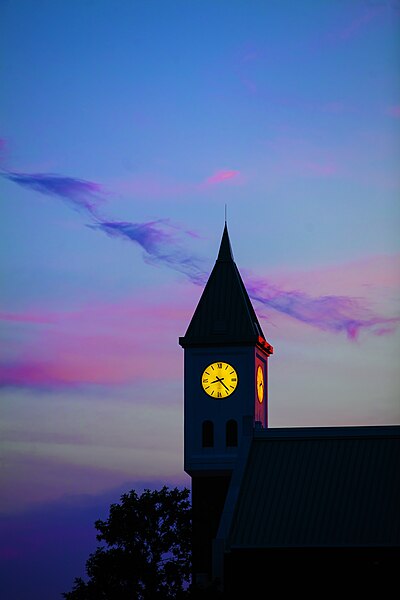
(219, 380)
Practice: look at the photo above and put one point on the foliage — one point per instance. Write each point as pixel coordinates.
(147, 551)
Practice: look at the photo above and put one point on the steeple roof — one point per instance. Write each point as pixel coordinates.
(225, 251)
(224, 314)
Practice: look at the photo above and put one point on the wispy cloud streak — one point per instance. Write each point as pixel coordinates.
(328, 313)
(164, 243)
(79, 193)
(158, 239)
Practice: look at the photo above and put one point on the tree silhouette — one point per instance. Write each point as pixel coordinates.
(147, 550)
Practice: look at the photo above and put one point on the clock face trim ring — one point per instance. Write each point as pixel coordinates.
(260, 384)
(219, 380)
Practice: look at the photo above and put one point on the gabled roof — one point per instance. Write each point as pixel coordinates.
(224, 314)
(322, 487)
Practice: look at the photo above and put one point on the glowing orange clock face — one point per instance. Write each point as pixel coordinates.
(260, 384)
(219, 380)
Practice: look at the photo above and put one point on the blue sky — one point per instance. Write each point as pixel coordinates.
(126, 126)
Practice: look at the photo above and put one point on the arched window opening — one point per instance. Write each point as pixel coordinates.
(231, 433)
(207, 435)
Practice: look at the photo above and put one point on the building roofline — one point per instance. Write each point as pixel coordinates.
(353, 431)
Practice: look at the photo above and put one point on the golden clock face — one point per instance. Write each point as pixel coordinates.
(219, 380)
(260, 384)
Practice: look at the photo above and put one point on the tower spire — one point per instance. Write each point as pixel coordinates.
(224, 314)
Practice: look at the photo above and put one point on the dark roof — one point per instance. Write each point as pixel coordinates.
(224, 314)
(320, 487)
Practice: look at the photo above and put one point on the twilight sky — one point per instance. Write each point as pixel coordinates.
(126, 126)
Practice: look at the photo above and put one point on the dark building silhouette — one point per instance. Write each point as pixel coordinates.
(288, 505)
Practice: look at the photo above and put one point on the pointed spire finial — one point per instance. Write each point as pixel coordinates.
(225, 250)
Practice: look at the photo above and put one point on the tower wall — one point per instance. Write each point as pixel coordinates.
(219, 416)
(199, 407)
(208, 498)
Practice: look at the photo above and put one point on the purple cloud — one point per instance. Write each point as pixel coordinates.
(79, 193)
(328, 313)
(159, 241)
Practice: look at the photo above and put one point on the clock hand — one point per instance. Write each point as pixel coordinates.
(220, 380)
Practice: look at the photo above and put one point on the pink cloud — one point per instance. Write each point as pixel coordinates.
(103, 344)
(71, 371)
(39, 374)
(221, 176)
(101, 313)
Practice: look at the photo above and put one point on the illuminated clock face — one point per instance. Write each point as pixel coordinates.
(260, 384)
(219, 380)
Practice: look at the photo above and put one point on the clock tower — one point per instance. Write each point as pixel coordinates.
(225, 395)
